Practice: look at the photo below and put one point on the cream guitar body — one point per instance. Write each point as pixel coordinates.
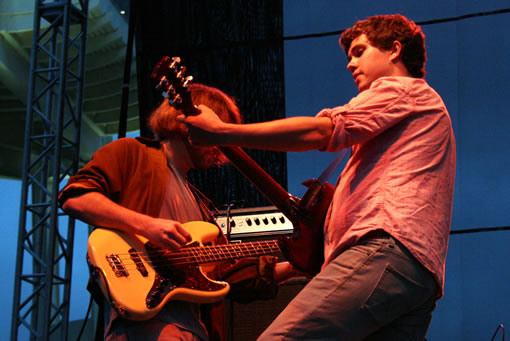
(139, 279)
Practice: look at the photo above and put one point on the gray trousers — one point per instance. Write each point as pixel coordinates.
(375, 290)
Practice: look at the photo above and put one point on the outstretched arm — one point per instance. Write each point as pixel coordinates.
(96, 209)
(289, 134)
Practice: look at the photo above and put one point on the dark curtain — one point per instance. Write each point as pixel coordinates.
(235, 45)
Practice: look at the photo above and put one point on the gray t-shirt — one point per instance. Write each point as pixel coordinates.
(181, 205)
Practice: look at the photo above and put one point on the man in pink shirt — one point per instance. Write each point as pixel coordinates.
(386, 232)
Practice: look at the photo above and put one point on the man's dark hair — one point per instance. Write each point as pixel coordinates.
(383, 30)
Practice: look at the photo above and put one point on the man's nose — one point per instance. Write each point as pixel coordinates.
(351, 66)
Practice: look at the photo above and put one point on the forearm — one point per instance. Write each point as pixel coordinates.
(290, 134)
(95, 209)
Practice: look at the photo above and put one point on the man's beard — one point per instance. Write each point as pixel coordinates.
(210, 157)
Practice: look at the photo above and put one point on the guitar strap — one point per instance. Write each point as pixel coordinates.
(205, 204)
(207, 208)
(326, 174)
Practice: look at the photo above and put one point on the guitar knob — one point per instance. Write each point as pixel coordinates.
(248, 221)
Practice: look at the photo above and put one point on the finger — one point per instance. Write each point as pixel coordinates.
(179, 236)
(172, 245)
(181, 118)
(175, 240)
(184, 233)
(205, 109)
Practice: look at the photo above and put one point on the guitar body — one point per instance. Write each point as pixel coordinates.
(138, 281)
(304, 249)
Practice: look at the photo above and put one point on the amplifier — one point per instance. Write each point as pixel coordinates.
(253, 222)
(247, 321)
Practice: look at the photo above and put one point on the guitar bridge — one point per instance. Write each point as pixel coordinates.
(117, 266)
(138, 261)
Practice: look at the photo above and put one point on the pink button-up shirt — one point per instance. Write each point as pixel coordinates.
(401, 173)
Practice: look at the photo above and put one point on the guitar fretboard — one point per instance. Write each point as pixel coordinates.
(211, 254)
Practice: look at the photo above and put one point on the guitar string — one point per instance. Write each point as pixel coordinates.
(208, 251)
(199, 255)
(166, 262)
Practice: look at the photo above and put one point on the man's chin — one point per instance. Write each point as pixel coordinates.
(205, 164)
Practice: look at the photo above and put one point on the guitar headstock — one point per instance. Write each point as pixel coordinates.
(171, 80)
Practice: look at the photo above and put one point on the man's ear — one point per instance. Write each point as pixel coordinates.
(396, 50)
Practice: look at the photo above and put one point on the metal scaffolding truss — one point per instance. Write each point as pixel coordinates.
(51, 153)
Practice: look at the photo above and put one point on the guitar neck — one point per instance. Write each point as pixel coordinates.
(170, 77)
(227, 252)
(262, 181)
(304, 248)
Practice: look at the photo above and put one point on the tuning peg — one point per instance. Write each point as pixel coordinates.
(181, 72)
(175, 62)
(176, 101)
(163, 82)
(187, 81)
(170, 92)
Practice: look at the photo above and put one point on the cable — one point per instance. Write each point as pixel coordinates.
(421, 23)
(277, 40)
(466, 16)
(502, 327)
(229, 224)
(481, 229)
(85, 320)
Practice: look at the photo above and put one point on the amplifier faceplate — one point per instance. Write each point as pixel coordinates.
(255, 221)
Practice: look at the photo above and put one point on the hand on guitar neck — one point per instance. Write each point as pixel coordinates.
(207, 128)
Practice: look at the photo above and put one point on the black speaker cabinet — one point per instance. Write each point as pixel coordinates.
(245, 322)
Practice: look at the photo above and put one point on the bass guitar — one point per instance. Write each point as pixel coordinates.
(304, 248)
(139, 278)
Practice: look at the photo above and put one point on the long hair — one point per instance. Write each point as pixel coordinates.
(383, 30)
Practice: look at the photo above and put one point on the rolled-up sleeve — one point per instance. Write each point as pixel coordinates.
(101, 174)
(338, 137)
(370, 113)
